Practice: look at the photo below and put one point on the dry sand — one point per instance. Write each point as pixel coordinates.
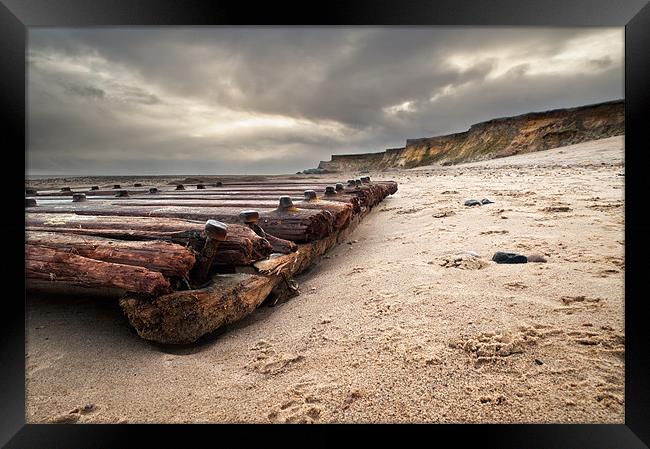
(392, 327)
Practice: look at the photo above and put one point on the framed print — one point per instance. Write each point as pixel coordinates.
(371, 213)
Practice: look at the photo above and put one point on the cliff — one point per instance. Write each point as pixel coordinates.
(495, 138)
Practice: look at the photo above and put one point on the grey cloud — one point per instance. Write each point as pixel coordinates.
(162, 88)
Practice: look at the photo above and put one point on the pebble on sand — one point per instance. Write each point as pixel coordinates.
(486, 201)
(503, 257)
(472, 203)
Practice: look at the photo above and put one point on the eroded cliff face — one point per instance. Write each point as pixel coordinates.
(496, 138)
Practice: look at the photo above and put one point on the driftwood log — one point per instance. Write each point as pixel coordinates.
(167, 258)
(62, 266)
(241, 247)
(295, 224)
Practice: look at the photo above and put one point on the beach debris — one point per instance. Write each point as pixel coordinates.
(443, 214)
(509, 258)
(215, 233)
(486, 201)
(536, 258)
(557, 209)
(472, 202)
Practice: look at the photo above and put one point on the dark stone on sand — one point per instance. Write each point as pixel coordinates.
(472, 203)
(539, 362)
(486, 201)
(502, 257)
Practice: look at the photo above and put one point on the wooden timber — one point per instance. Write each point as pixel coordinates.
(183, 317)
(241, 247)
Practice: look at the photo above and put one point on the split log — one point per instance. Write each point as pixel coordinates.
(241, 247)
(167, 258)
(342, 212)
(295, 224)
(58, 266)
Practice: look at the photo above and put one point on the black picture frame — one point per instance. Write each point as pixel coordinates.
(17, 15)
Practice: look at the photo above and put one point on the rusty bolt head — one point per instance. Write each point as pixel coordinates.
(137, 184)
(78, 197)
(249, 216)
(310, 195)
(216, 230)
(122, 194)
(65, 189)
(285, 202)
(30, 202)
(329, 190)
(180, 187)
(153, 190)
(200, 186)
(94, 188)
(339, 187)
(116, 186)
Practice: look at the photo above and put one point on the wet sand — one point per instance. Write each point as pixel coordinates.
(392, 326)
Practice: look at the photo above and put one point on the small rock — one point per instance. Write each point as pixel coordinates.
(539, 362)
(87, 408)
(536, 258)
(502, 257)
(471, 203)
(486, 201)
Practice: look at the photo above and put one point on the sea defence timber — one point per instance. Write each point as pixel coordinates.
(187, 261)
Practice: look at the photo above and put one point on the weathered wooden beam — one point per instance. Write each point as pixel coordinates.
(296, 224)
(168, 258)
(241, 247)
(61, 266)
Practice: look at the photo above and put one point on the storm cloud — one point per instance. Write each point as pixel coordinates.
(242, 100)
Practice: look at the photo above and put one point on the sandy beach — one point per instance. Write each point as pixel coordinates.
(399, 324)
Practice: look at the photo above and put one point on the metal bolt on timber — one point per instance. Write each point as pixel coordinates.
(339, 187)
(310, 195)
(180, 187)
(116, 186)
(285, 202)
(153, 190)
(330, 191)
(122, 194)
(250, 218)
(215, 233)
(78, 197)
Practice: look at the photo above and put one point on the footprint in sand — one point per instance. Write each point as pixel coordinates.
(491, 347)
(268, 361)
(302, 404)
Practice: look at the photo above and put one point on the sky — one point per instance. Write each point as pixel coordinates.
(271, 100)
